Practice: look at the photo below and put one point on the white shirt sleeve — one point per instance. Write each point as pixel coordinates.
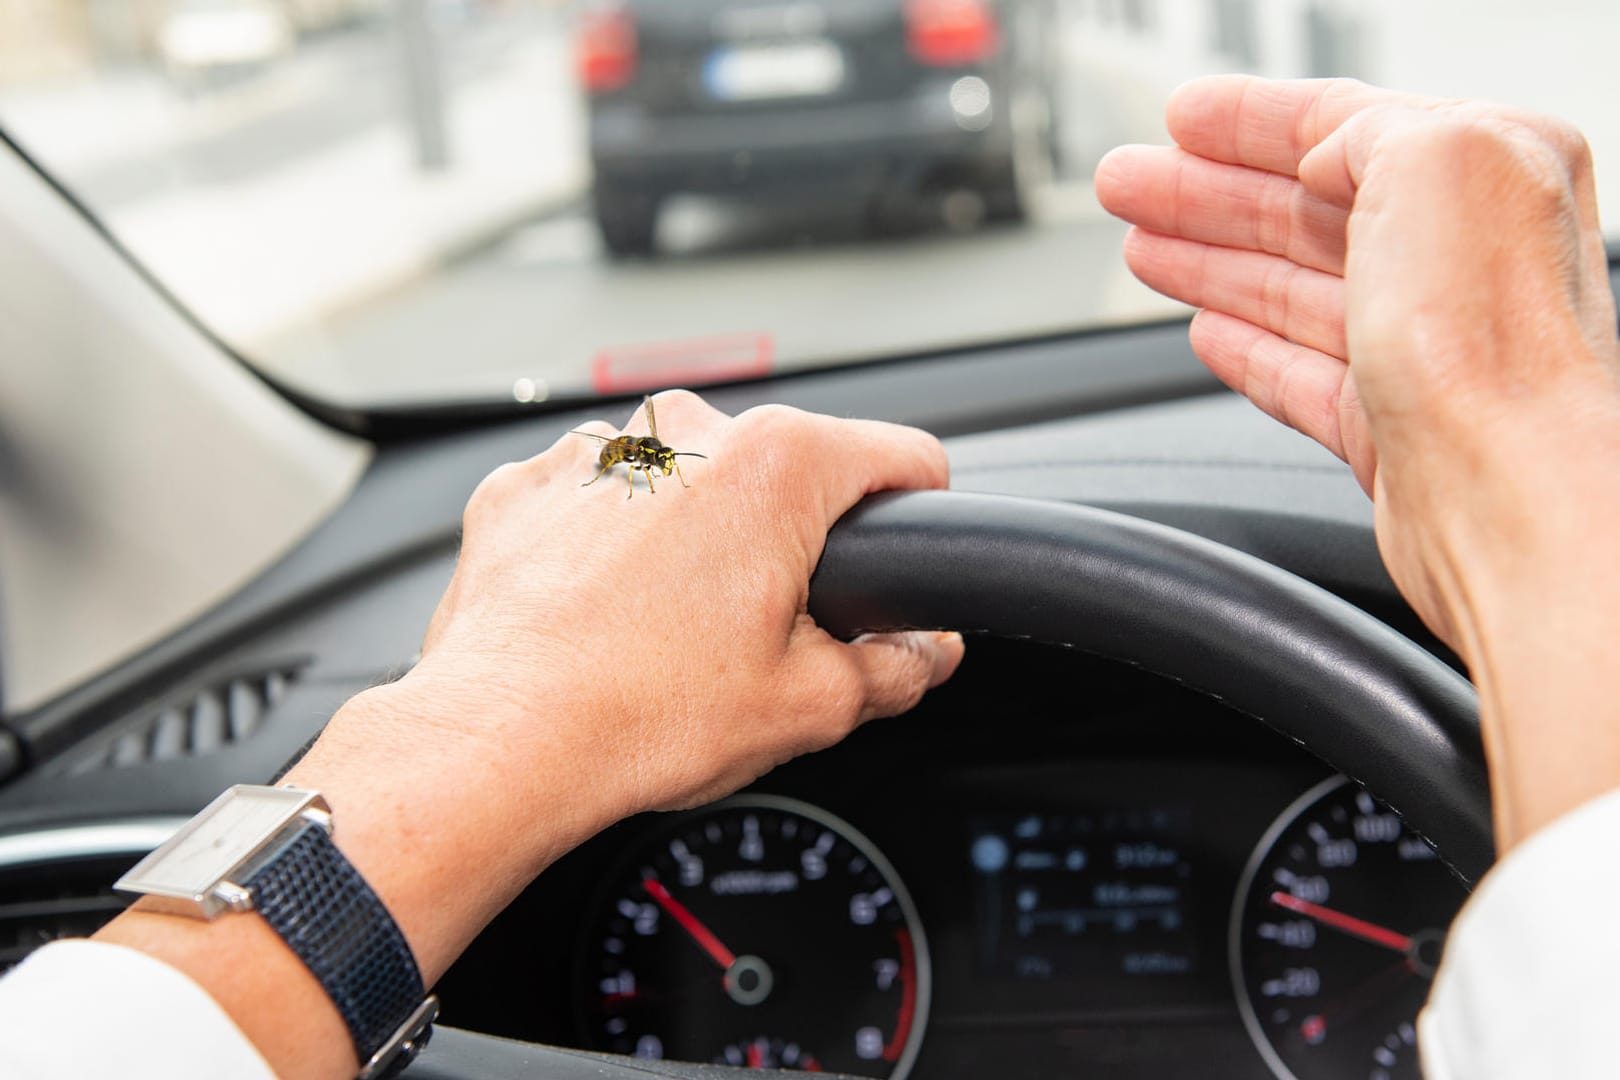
(84, 1009)
(1530, 982)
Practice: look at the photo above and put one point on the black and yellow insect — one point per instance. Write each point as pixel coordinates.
(640, 452)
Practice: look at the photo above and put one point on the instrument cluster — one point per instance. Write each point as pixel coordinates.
(1141, 880)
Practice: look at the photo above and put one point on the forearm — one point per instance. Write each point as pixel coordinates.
(1549, 711)
(442, 833)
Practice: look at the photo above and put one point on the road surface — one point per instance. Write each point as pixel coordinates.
(534, 310)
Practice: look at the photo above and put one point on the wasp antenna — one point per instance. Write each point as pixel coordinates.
(688, 453)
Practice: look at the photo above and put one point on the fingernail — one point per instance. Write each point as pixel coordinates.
(949, 648)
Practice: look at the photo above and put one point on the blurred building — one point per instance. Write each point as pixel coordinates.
(1273, 37)
(41, 40)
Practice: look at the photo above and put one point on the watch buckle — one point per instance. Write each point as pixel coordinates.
(404, 1044)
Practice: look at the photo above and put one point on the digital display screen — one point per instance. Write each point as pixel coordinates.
(1082, 894)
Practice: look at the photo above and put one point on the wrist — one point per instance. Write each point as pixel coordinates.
(1548, 715)
(449, 803)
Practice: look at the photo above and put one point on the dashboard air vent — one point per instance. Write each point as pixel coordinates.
(218, 715)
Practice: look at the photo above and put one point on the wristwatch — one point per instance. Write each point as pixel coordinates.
(270, 850)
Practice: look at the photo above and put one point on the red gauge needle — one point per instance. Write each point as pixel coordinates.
(1348, 924)
(700, 933)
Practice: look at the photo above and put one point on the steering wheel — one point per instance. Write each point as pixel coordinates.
(1358, 695)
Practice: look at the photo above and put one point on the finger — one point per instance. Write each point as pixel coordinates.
(578, 443)
(1336, 167)
(1269, 123)
(1308, 390)
(1303, 305)
(1489, 142)
(1169, 191)
(575, 451)
(684, 419)
(843, 459)
(895, 670)
(872, 455)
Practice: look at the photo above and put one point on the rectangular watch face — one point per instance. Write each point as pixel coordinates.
(218, 840)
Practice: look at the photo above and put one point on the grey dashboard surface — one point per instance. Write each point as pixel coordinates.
(1216, 449)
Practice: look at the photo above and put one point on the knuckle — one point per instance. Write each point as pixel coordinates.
(1552, 135)
(774, 418)
(833, 708)
(838, 700)
(1477, 141)
(908, 690)
(679, 399)
(1276, 295)
(494, 489)
(1278, 205)
(1572, 147)
(899, 679)
(1518, 161)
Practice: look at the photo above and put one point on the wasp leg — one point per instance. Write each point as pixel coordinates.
(648, 474)
(598, 475)
(678, 472)
(630, 478)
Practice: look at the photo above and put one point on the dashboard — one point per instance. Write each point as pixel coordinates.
(1060, 867)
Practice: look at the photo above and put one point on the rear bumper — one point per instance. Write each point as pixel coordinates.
(856, 144)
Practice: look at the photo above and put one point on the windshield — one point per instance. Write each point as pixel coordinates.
(424, 201)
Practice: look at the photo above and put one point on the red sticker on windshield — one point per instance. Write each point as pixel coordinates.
(625, 369)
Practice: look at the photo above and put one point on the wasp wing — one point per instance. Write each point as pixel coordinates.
(590, 435)
(652, 417)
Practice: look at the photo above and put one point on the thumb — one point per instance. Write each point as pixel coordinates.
(897, 669)
(1335, 168)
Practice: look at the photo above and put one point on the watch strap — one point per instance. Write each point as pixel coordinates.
(318, 903)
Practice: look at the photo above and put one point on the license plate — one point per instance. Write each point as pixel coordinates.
(759, 72)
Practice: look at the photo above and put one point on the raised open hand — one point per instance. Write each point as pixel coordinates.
(1421, 286)
(1281, 198)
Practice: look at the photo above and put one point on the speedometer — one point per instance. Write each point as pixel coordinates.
(761, 932)
(1337, 928)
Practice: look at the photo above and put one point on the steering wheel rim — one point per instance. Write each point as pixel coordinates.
(1358, 695)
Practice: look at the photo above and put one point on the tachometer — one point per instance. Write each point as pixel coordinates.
(760, 932)
(1336, 931)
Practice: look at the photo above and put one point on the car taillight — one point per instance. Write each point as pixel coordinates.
(605, 49)
(950, 33)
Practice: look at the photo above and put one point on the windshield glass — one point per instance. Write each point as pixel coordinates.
(386, 202)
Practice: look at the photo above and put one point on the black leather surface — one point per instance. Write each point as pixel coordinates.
(1355, 693)
(326, 913)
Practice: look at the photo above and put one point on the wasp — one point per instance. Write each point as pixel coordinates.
(639, 452)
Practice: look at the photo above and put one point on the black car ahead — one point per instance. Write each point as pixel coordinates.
(877, 100)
